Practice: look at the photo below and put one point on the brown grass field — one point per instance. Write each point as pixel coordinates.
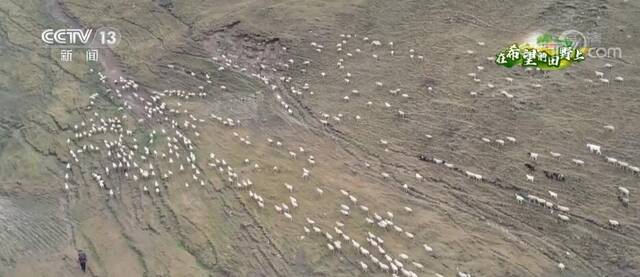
(217, 229)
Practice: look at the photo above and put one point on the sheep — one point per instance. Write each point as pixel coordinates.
(364, 251)
(330, 246)
(563, 217)
(287, 215)
(394, 268)
(578, 162)
(623, 164)
(353, 199)
(553, 194)
(363, 266)
(305, 173)
(624, 191)
(599, 74)
(289, 187)
(561, 266)
(555, 155)
(614, 224)
(549, 205)
(511, 139)
(519, 199)
(594, 148)
(609, 128)
(530, 178)
(398, 263)
(473, 175)
(533, 156)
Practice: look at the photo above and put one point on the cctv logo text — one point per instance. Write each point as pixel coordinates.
(66, 36)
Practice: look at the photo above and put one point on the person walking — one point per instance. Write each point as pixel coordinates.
(82, 259)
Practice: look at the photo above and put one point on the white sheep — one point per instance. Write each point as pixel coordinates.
(555, 155)
(564, 218)
(530, 178)
(594, 148)
(533, 156)
(623, 190)
(614, 223)
(289, 187)
(561, 266)
(363, 266)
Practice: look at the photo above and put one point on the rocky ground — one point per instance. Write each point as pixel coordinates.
(280, 71)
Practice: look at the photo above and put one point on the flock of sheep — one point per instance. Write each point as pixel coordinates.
(153, 143)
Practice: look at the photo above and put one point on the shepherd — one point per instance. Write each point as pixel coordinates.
(82, 259)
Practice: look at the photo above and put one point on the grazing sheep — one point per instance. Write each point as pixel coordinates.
(561, 266)
(594, 148)
(563, 218)
(533, 156)
(614, 224)
(624, 191)
(530, 178)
